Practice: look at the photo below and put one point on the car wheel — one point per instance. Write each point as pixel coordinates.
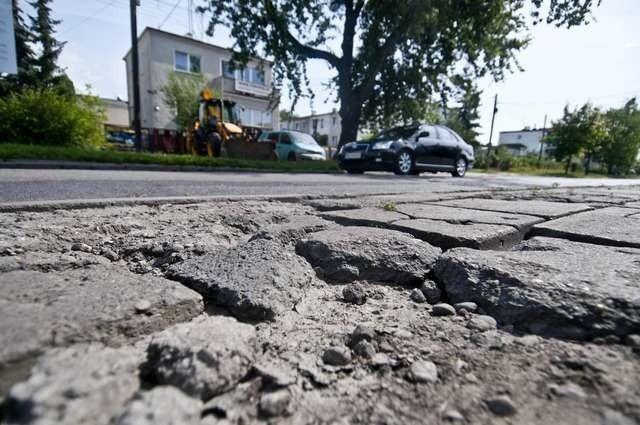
(292, 156)
(355, 171)
(404, 163)
(460, 168)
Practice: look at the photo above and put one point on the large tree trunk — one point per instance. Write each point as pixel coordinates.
(350, 112)
(568, 164)
(587, 166)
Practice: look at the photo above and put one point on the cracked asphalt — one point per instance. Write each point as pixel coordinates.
(23, 185)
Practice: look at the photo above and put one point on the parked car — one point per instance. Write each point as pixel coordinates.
(294, 145)
(121, 139)
(409, 150)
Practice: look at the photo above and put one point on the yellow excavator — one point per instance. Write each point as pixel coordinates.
(217, 132)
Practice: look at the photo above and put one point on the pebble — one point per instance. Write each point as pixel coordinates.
(452, 415)
(380, 359)
(417, 296)
(275, 404)
(570, 390)
(469, 306)
(362, 332)
(79, 246)
(431, 292)
(108, 253)
(443, 309)
(143, 306)
(364, 349)
(528, 340)
(482, 323)
(423, 371)
(501, 406)
(354, 294)
(632, 340)
(337, 356)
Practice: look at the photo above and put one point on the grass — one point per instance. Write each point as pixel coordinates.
(388, 206)
(14, 151)
(546, 172)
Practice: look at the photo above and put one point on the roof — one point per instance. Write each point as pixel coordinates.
(528, 130)
(306, 117)
(189, 39)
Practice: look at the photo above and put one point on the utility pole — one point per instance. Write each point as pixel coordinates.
(135, 68)
(493, 118)
(544, 132)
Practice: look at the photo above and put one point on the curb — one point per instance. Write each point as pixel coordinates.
(110, 166)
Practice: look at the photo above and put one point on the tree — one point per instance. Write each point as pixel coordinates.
(42, 26)
(180, 94)
(579, 131)
(464, 118)
(623, 139)
(286, 116)
(388, 50)
(25, 56)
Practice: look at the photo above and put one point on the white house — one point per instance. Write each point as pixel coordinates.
(161, 52)
(523, 142)
(328, 124)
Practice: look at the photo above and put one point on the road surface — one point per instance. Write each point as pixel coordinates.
(24, 185)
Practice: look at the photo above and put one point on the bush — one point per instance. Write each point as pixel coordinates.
(44, 117)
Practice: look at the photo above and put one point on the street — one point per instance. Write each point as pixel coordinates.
(24, 185)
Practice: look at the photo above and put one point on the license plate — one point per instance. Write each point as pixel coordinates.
(353, 155)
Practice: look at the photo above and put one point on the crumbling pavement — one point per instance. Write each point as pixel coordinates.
(505, 306)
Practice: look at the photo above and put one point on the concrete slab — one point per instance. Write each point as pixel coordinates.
(550, 286)
(463, 215)
(102, 303)
(371, 216)
(335, 204)
(614, 226)
(543, 209)
(473, 235)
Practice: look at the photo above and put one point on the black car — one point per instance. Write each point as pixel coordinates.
(409, 150)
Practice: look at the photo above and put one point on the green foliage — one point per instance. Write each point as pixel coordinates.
(322, 139)
(43, 29)
(388, 206)
(404, 50)
(44, 117)
(180, 94)
(464, 118)
(621, 146)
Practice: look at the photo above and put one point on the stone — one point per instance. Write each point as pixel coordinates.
(423, 371)
(501, 406)
(109, 253)
(371, 216)
(256, 280)
(544, 209)
(443, 309)
(467, 305)
(633, 340)
(295, 228)
(143, 306)
(452, 415)
(417, 296)
(204, 357)
(569, 390)
(613, 226)
(463, 216)
(337, 356)
(451, 235)
(612, 417)
(362, 333)
(83, 384)
(354, 294)
(431, 292)
(379, 255)
(162, 405)
(79, 246)
(274, 404)
(364, 349)
(550, 287)
(92, 304)
(275, 375)
(482, 323)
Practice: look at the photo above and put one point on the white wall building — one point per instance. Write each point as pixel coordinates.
(523, 142)
(117, 112)
(328, 124)
(161, 52)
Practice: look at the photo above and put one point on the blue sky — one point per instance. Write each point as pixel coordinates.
(598, 63)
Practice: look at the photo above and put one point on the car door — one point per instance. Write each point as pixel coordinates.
(285, 145)
(449, 147)
(427, 144)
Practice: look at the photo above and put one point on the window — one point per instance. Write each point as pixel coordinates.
(321, 123)
(333, 121)
(227, 70)
(187, 63)
(258, 76)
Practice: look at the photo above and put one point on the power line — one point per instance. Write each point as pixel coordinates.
(550, 102)
(86, 18)
(169, 14)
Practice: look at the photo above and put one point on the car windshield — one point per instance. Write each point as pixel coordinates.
(304, 139)
(396, 133)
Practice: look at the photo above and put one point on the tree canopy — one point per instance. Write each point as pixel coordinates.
(383, 51)
(180, 94)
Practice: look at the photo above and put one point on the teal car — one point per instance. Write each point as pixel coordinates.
(294, 145)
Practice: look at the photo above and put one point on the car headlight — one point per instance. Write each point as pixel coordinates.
(382, 145)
